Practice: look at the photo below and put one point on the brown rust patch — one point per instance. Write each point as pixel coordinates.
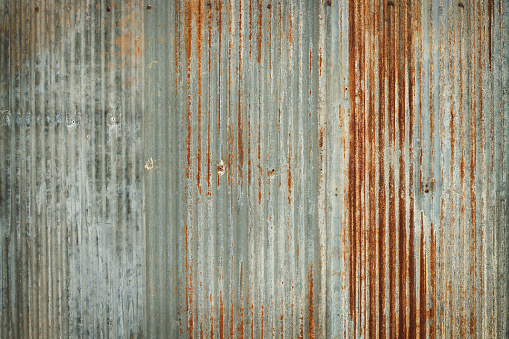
(385, 31)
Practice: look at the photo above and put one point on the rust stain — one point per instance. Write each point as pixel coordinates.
(311, 314)
(220, 30)
(260, 176)
(250, 27)
(221, 314)
(262, 329)
(320, 141)
(252, 320)
(260, 30)
(433, 284)
(394, 30)
(290, 33)
(211, 317)
(240, 125)
(231, 310)
(490, 24)
(382, 75)
(473, 216)
(355, 162)
(281, 327)
(423, 312)
(188, 37)
(391, 64)
(209, 24)
(402, 236)
(241, 302)
(371, 208)
(290, 175)
(199, 51)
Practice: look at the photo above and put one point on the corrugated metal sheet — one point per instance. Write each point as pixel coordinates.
(71, 186)
(254, 168)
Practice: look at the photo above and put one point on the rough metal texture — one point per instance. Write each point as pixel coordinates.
(254, 168)
(71, 189)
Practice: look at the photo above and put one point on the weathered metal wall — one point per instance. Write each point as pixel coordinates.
(254, 168)
(71, 187)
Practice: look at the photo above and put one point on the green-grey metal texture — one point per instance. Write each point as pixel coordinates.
(300, 168)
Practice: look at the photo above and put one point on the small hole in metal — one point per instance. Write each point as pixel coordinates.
(37, 9)
(460, 4)
(269, 6)
(329, 3)
(108, 9)
(149, 7)
(390, 3)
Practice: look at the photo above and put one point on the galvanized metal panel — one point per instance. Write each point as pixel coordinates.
(254, 168)
(72, 244)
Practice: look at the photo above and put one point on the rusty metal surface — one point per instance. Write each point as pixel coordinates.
(255, 169)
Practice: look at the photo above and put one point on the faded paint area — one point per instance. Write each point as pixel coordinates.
(263, 168)
(70, 153)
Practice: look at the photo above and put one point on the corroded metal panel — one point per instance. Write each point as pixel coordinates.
(254, 169)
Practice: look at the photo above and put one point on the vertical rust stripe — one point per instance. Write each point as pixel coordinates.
(422, 286)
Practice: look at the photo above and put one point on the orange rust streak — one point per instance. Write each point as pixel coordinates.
(189, 282)
(211, 318)
(433, 286)
(199, 50)
(240, 140)
(311, 314)
(382, 75)
(372, 25)
(473, 216)
(352, 177)
(393, 326)
(260, 30)
(423, 286)
(402, 237)
(231, 314)
(290, 175)
(259, 151)
(241, 302)
(220, 30)
(252, 321)
(209, 105)
(411, 254)
(262, 329)
(188, 37)
(221, 314)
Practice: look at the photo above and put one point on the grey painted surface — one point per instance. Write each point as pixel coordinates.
(254, 168)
